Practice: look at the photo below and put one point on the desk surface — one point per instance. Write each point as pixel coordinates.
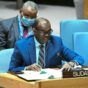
(11, 81)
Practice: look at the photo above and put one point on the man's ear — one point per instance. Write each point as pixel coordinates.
(21, 10)
(34, 30)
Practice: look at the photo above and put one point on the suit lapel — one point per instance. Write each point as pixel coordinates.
(15, 27)
(48, 52)
(32, 50)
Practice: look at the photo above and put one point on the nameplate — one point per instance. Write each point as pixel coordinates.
(75, 73)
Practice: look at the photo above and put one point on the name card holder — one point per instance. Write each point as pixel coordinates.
(76, 73)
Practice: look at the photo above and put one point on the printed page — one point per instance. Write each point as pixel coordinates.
(43, 74)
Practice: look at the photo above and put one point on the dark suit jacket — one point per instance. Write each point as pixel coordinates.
(25, 54)
(8, 32)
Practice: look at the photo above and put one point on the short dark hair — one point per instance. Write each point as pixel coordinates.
(39, 20)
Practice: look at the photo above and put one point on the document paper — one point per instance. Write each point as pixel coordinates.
(43, 74)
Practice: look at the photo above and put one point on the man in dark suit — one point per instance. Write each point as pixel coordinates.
(27, 51)
(18, 27)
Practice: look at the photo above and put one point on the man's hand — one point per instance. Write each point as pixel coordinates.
(68, 66)
(33, 67)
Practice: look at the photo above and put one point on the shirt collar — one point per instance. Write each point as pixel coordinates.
(37, 44)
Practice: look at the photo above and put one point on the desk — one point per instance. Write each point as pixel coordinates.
(11, 81)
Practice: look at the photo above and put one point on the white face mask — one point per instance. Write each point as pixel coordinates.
(27, 22)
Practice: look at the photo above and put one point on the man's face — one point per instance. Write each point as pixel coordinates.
(28, 16)
(42, 33)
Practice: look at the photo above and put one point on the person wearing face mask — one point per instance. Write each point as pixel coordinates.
(18, 27)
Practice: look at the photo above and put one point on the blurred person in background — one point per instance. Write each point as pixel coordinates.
(18, 27)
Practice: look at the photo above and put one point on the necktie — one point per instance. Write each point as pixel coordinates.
(25, 33)
(41, 56)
